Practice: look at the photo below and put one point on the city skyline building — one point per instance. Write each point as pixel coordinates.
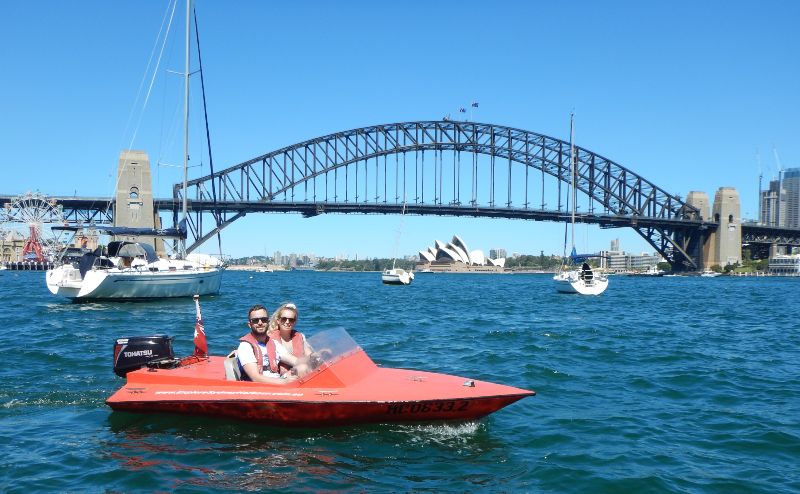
(619, 261)
(780, 202)
(497, 253)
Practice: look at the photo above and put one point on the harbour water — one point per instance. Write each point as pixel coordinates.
(658, 385)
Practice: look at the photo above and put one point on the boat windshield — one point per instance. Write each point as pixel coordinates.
(330, 345)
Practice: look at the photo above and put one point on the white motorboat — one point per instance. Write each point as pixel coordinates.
(649, 272)
(132, 270)
(575, 274)
(707, 273)
(397, 276)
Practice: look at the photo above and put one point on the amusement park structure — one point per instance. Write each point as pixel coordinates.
(26, 221)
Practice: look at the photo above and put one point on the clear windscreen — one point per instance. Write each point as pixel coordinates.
(330, 345)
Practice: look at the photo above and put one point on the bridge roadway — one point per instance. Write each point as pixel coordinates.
(98, 210)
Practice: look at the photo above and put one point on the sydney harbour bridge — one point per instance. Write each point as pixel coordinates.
(445, 168)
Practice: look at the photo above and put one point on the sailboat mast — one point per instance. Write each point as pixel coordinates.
(572, 175)
(185, 129)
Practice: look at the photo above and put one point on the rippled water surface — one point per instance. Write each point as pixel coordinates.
(658, 385)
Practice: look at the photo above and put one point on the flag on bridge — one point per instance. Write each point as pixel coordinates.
(474, 104)
(462, 110)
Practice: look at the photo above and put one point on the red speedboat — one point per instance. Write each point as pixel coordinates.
(345, 387)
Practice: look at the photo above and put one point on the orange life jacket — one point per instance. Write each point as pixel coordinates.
(249, 338)
(298, 350)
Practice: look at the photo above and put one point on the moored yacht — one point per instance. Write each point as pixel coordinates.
(581, 280)
(397, 276)
(575, 275)
(125, 270)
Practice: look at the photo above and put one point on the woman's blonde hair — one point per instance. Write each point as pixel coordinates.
(273, 321)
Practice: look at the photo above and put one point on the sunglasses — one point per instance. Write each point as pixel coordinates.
(256, 320)
(287, 320)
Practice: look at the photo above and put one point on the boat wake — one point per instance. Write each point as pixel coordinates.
(440, 433)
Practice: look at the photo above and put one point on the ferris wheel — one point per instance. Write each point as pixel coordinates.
(31, 217)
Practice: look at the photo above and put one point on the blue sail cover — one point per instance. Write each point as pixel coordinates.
(150, 232)
(179, 232)
(575, 257)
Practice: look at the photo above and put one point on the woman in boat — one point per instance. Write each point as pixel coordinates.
(286, 346)
(254, 360)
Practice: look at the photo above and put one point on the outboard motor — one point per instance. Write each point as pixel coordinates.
(140, 351)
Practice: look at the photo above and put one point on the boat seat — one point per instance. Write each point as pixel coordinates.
(232, 371)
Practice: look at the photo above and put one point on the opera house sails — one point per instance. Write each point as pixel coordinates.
(455, 257)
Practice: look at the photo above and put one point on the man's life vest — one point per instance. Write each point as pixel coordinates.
(249, 338)
(298, 350)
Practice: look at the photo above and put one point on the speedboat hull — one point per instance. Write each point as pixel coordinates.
(348, 390)
(386, 395)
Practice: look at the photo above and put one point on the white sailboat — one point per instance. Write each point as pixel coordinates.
(575, 274)
(397, 276)
(126, 270)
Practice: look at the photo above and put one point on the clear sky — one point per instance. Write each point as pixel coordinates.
(685, 93)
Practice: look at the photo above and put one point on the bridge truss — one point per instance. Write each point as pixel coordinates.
(444, 168)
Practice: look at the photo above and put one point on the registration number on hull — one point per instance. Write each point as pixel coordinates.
(429, 407)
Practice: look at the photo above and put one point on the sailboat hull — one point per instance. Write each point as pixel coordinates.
(397, 277)
(571, 282)
(125, 284)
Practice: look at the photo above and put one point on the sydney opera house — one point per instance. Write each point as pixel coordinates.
(455, 256)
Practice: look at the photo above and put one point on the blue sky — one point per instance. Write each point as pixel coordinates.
(683, 93)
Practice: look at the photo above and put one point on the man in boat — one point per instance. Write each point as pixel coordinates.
(287, 346)
(253, 357)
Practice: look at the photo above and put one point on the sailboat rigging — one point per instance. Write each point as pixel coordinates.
(575, 275)
(397, 276)
(125, 270)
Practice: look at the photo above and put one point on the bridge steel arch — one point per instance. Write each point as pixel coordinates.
(476, 169)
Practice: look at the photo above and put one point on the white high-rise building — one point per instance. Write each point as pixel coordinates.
(780, 203)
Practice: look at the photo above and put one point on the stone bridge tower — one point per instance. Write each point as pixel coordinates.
(134, 196)
(727, 248)
(723, 246)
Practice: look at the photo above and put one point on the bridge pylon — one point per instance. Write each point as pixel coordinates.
(723, 245)
(134, 206)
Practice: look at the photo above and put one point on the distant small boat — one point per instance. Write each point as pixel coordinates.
(651, 271)
(264, 269)
(581, 280)
(397, 276)
(707, 273)
(575, 275)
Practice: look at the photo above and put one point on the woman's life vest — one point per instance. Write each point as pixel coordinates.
(298, 350)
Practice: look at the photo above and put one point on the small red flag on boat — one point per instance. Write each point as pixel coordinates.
(200, 344)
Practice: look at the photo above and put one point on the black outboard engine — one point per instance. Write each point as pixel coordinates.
(140, 351)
